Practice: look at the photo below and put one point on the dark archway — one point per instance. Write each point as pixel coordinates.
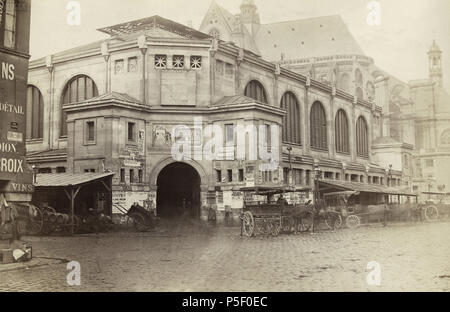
(178, 192)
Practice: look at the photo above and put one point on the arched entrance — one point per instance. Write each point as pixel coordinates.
(178, 192)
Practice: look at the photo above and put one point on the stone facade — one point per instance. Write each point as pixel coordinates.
(431, 117)
(149, 81)
(323, 49)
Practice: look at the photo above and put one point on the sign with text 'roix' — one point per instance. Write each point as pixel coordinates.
(13, 90)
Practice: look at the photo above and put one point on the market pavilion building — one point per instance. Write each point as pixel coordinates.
(113, 106)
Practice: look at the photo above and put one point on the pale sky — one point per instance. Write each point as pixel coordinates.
(399, 45)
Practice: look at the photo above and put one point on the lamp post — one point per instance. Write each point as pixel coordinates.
(290, 166)
(316, 195)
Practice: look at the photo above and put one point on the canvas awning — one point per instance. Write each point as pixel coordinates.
(326, 187)
(272, 190)
(71, 183)
(68, 179)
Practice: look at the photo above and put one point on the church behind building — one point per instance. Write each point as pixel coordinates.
(113, 105)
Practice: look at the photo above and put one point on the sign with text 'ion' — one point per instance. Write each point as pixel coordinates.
(13, 80)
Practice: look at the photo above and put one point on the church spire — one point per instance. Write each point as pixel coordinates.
(250, 16)
(435, 63)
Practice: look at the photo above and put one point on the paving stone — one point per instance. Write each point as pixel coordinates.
(412, 258)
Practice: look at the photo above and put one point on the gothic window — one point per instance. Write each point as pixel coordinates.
(35, 113)
(445, 137)
(344, 83)
(291, 121)
(359, 94)
(8, 23)
(78, 89)
(178, 61)
(358, 77)
(362, 137)
(255, 90)
(215, 33)
(196, 62)
(341, 132)
(370, 91)
(160, 61)
(318, 125)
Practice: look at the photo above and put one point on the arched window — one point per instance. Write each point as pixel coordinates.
(362, 138)
(79, 88)
(359, 93)
(35, 113)
(318, 124)
(341, 132)
(344, 82)
(255, 90)
(291, 121)
(358, 77)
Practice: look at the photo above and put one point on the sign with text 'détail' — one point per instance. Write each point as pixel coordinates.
(13, 91)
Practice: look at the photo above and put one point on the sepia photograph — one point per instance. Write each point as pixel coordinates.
(240, 147)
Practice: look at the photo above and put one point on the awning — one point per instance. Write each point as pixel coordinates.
(68, 179)
(436, 193)
(71, 184)
(273, 190)
(331, 186)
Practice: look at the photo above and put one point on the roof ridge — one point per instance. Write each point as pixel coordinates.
(304, 19)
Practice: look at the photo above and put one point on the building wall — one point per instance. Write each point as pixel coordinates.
(175, 97)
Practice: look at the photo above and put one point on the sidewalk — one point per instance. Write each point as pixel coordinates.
(33, 263)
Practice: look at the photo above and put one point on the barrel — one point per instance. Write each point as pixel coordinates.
(52, 217)
(62, 218)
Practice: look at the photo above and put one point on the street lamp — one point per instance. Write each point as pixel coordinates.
(290, 166)
(316, 194)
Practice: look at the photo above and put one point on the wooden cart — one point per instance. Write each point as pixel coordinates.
(263, 215)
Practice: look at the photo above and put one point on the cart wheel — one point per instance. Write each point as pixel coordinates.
(248, 224)
(305, 224)
(275, 230)
(288, 224)
(352, 221)
(139, 222)
(431, 213)
(36, 223)
(337, 222)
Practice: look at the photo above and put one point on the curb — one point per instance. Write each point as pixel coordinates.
(34, 263)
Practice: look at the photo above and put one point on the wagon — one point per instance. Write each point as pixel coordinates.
(263, 215)
(437, 206)
(360, 204)
(138, 217)
(30, 219)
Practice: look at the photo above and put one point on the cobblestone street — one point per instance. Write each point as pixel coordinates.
(199, 257)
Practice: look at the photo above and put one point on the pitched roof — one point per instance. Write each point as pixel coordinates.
(336, 186)
(234, 100)
(54, 152)
(152, 22)
(114, 96)
(313, 37)
(66, 179)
